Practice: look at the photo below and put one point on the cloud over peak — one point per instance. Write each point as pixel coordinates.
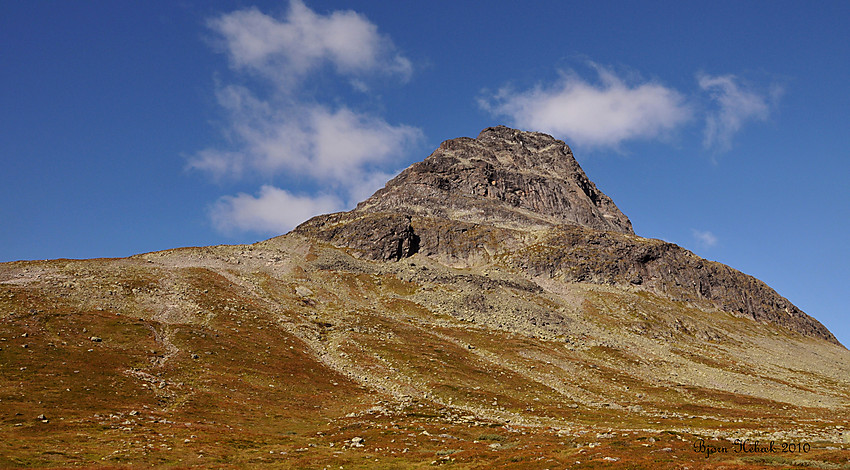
(609, 111)
(602, 114)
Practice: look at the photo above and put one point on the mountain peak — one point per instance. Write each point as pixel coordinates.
(505, 178)
(519, 200)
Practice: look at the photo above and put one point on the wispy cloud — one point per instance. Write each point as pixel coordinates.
(601, 114)
(735, 107)
(288, 49)
(704, 238)
(283, 130)
(335, 146)
(610, 110)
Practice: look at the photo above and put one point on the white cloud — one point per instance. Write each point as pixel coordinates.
(332, 146)
(603, 114)
(705, 238)
(273, 211)
(288, 49)
(282, 129)
(343, 141)
(340, 149)
(735, 106)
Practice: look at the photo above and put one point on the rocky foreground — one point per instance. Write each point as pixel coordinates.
(489, 308)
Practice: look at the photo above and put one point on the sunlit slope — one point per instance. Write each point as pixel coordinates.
(273, 352)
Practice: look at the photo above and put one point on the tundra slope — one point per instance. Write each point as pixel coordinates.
(489, 308)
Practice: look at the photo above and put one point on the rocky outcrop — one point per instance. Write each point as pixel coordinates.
(381, 236)
(520, 200)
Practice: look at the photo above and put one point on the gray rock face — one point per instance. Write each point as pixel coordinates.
(383, 236)
(504, 178)
(580, 255)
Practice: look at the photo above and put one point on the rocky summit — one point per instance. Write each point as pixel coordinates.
(504, 178)
(489, 307)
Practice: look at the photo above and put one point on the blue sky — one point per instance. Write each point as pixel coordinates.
(128, 127)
